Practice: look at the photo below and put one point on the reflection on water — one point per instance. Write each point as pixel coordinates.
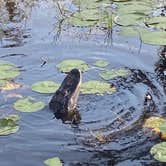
(14, 14)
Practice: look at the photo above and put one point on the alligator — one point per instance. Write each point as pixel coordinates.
(64, 101)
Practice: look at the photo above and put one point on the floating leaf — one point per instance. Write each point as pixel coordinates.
(154, 38)
(134, 7)
(8, 126)
(130, 31)
(128, 19)
(28, 104)
(45, 86)
(113, 73)
(101, 63)
(162, 128)
(67, 65)
(8, 71)
(97, 87)
(75, 21)
(55, 161)
(10, 86)
(2, 83)
(154, 123)
(158, 22)
(159, 151)
(13, 117)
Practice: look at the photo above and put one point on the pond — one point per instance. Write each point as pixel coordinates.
(129, 56)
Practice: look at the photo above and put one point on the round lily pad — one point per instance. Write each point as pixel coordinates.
(113, 73)
(159, 151)
(154, 38)
(153, 123)
(13, 117)
(67, 65)
(8, 71)
(45, 86)
(158, 22)
(130, 31)
(55, 161)
(8, 125)
(28, 104)
(10, 85)
(97, 87)
(2, 83)
(101, 63)
(128, 19)
(78, 22)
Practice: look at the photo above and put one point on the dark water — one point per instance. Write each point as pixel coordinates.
(26, 42)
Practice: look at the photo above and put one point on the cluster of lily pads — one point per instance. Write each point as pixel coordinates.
(8, 72)
(158, 125)
(29, 104)
(89, 87)
(136, 18)
(8, 124)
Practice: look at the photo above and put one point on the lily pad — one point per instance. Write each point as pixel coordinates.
(163, 130)
(45, 86)
(13, 117)
(78, 22)
(154, 123)
(130, 31)
(128, 19)
(2, 83)
(97, 87)
(8, 126)
(67, 65)
(159, 151)
(55, 161)
(114, 73)
(10, 85)
(8, 71)
(154, 38)
(101, 63)
(134, 7)
(28, 104)
(158, 22)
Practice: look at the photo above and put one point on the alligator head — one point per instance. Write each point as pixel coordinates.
(64, 101)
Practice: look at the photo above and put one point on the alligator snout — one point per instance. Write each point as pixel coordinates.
(64, 101)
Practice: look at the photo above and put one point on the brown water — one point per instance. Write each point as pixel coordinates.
(30, 37)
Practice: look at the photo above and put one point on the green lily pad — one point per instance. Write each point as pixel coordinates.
(113, 73)
(92, 4)
(134, 7)
(101, 63)
(45, 86)
(163, 127)
(67, 65)
(28, 104)
(13, 117)
(8, 126)
(158, 22)
(2, 83)
(159, 151)
(8, 71)
(78, 22)
(55, 161)
(131, 32)
(97, 87)
(154, 123)
(128, 19)
(154, 38)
